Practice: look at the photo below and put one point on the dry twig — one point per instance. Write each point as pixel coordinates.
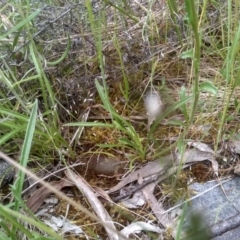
(101, 212)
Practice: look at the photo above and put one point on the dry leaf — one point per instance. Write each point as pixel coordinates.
(136, 201)
(164, 164)
(195, 155)
(200, 146)
(237, 169)
(36, 200)
(154, 167)
(101, 193)
(61, 224)
(137, 227)
(156, 206)
(235, 146)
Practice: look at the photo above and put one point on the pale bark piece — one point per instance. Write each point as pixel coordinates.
(136, 227)
(98, 208)
(235, 146)
(195, 155)
(101, 193)
(157, 208)
(164, 163)
(37, 199)
(200, 146)
(154, 167)
(61, 224)
(237, 169)
(137, 201)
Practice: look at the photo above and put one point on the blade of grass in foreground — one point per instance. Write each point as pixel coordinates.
(97, 35)
(18, 186)
(21, 24)
(193, 20)
(12, 216)
(231, 70)
(172, 5)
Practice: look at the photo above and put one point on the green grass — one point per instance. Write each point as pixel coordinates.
(95, 46)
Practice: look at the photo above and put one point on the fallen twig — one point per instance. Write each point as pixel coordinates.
(101, 212)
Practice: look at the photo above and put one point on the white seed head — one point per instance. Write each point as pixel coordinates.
(153, 105)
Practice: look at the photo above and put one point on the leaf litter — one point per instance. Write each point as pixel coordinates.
(37, 199)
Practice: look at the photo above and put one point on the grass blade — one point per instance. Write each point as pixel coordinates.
(25, 153)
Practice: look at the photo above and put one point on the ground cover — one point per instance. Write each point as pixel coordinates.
(129, 101)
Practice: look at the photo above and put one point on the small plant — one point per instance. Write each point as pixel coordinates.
(132, 139)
